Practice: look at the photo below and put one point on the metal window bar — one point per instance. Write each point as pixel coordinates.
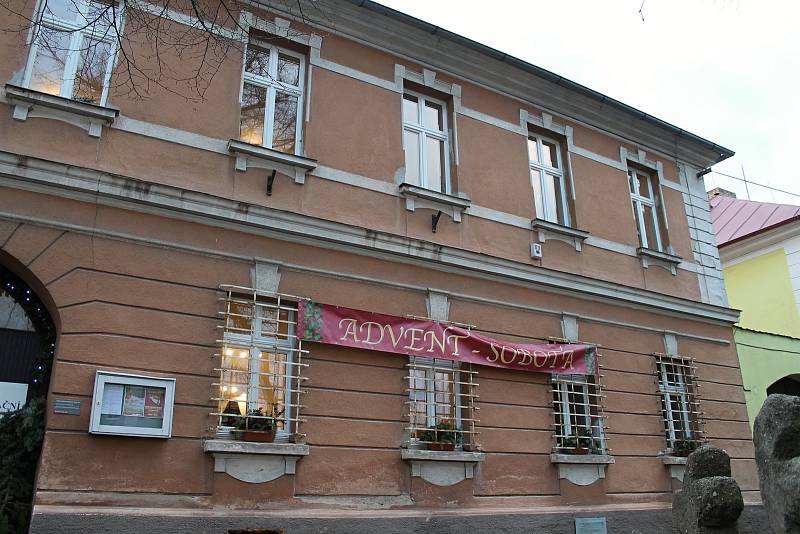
(680, 401)
(578, 409)
(441, 390)
(260, 360)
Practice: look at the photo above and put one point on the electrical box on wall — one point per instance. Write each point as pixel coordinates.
(536, 250)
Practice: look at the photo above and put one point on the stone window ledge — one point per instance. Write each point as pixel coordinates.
(255, 463)
(419, 197)
(581, 469)
(676, 465)
(248, 155)
(31, 104)
(442, 468)
(650, 257)
(559, 232)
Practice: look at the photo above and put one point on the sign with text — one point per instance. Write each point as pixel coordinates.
(12, 396)
(388, 333)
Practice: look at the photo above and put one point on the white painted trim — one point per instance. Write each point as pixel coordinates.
(89, 185)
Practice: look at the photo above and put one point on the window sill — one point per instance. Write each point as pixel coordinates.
(257, 156)
(419, 197)
(581, 469)
(676, 464)
(255, 463)
(442, 468)
(559, 232)
(31, 104)
(650, 257)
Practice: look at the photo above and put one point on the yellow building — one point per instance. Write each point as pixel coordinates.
(759, 246)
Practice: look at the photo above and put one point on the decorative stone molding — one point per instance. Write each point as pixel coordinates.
(31, 104)
(265, 276)
(582, 469)
(650, 257)
(676, 465)
(438, 305)
(442, 468)
(419, 197)
(255, 463)
(248, 155)
(559, 232)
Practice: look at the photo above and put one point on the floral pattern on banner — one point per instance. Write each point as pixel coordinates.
(310, 320)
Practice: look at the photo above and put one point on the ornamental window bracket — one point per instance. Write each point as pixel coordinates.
(420, 198)
(255, 463)
(664, 260)
(29, 104)
(442, 468)
(256, 156)
(545, 230)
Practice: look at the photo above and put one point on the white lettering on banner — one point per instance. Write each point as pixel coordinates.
(12, 396)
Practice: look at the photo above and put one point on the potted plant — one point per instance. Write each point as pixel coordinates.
(684, 447)
(582, 443)
(440, 437)
(258, 426)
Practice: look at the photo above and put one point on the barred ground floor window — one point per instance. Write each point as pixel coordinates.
(578, 414)
(680, 409)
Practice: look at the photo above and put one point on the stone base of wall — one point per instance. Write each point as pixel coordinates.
(629, 521)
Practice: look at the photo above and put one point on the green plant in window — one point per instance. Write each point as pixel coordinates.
(684, 447)
(260, 420)
(442, 432)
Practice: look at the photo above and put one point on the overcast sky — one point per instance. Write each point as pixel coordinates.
(726, 70)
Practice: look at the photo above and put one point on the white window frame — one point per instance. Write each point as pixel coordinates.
(272, 85)
(102, 378)
(679, 390)
(549, 213)
(425, 132)
(258, 343)
(76, 40)
(638, 202)
(564, 408)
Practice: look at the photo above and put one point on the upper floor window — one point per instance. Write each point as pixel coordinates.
(73, 49)
(426, 142)
(272, 98)
(645, 201)
(547, 178)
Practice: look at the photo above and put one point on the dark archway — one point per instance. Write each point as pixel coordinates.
(27, 346)
(788, 385)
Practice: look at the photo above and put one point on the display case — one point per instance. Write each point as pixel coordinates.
(132, 405)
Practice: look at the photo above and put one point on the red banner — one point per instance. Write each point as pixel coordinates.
(388, 333)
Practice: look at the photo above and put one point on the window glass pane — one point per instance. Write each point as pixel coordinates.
(644, 185)
(559, 200)
(257, 61)
(288, 69)
(538, 199)
(274, 322)
(271, 383)
(411, 147)
(251, 123)
(99, 18)
(549, 198)
(444, 396)
(233, 391)
(410, 109)
(533, 149)
(433, 116)
(550, 154)
(285, 124)
(48, 65)
(650, 227)
(63, 9)
(631, 184)
(91, 72)
(435, 165)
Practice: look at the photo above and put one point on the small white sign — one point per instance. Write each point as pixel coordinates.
(12, 396)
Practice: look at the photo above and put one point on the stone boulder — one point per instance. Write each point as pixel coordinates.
(710, 501)
(776, 435)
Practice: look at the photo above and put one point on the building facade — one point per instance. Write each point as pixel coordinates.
(759, 245)
(371, 162)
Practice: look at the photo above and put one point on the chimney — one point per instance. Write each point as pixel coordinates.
(719, 192)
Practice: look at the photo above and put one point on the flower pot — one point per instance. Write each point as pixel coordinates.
(581, 450)
(682, 453)
(260, 436)
(441, 446)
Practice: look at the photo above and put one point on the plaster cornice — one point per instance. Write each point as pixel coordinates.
(89, 185)
(452, 54)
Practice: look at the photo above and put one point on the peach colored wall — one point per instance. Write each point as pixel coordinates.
(355, 127)
(144, 309)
